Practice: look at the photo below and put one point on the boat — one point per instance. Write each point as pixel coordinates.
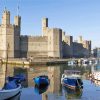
(72, 79)
(9, 90)
(72, 62)
(16, 97)
(12, 85)
(41, 80)
(19, 78)
(85, 61)
(90, 62)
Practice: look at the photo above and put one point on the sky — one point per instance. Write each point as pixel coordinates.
(75, 17)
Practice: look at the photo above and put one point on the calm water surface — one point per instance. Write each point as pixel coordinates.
(55, 91)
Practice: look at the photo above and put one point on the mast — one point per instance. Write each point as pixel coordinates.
(18, 8)
(5, 8)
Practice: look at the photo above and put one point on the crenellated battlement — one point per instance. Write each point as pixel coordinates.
(52, 43)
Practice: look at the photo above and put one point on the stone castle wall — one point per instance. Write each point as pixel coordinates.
(67, 46)
(53, 42)
(34, 46)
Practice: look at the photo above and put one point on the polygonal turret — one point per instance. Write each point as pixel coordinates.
(17, 21)
(6, 17)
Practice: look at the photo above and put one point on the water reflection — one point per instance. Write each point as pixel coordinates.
(40, 90)
(94, 76)
(72, 94)
(54, 90)
(2, 76)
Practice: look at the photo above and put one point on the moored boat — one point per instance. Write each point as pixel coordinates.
(19, 78)
(72, 79)
(11, 88)
(12, 85)
(72, 62)
(85, 61)
(41, 80)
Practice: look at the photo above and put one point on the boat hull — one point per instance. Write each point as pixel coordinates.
(40, 81)
(69, 86)
(6, 94)
(71, 83)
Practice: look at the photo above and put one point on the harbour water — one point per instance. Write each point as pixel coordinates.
(55, 91)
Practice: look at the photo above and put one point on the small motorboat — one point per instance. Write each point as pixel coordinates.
(85, 61)
(41, 80)
(19, 78)
(16, 97)
(90, 62)
(11, 88)
(72, 79)
(12, 85)
(72, 62)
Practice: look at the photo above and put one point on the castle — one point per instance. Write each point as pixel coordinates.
(52, 43)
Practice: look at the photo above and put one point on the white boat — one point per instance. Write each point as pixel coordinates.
(6, 94)
(85, 61)
(11, 87)
(90, 62)
(72, 62)
(96, 62)
(71, 79)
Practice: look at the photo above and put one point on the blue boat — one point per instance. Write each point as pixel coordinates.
(41, 80)
(72, 79)
(19, 78)
(11, 88)
(12, 85)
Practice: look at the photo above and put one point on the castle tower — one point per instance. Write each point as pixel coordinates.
(55, 43)
(6, 36)
(17, 21)
(17, 31)
(80, 40)
(10, 34)
(45, 22)
(44, 26)
(17, 28)
(68, 46)
(6, 17)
